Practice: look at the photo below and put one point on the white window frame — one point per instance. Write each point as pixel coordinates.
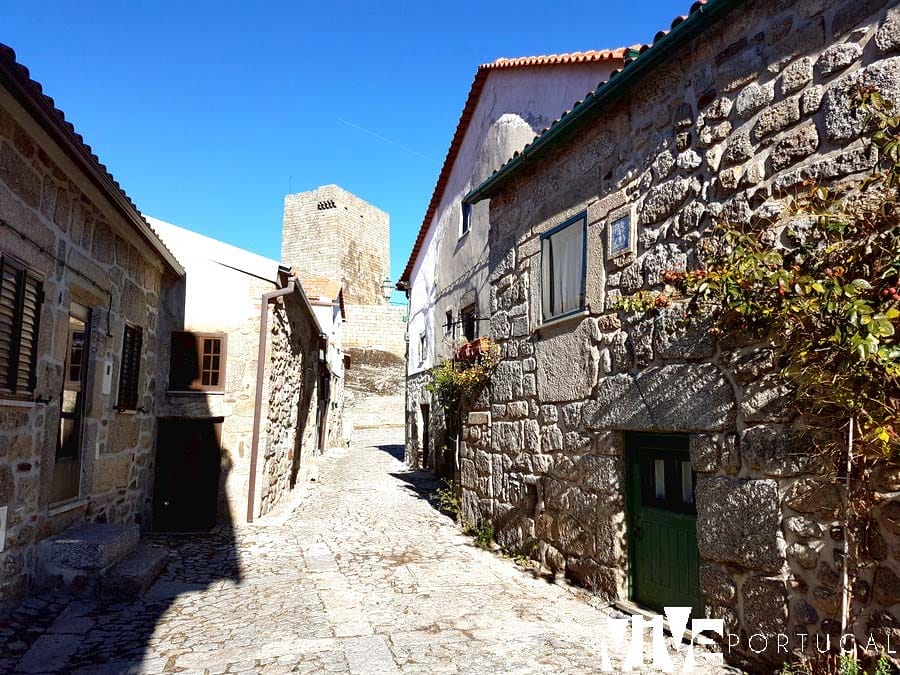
(465, 219)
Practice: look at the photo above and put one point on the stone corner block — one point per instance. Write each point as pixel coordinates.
(739, 521)
(478, 418)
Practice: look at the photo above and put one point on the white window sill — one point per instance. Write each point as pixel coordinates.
(558, 321)
(63, 507)
(16, 403)
(191, 392)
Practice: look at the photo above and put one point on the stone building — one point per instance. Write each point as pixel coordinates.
(648, 461)
(233, 441)
(510, 100)
(81, 273)
(327, 300)
(333, 234)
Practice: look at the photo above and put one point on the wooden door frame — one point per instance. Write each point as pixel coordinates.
(83, 313)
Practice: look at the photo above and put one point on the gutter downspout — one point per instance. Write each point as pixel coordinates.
(260, 379)
(293, 285)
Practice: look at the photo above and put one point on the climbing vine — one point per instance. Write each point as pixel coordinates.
(823, 284)
(454, 378)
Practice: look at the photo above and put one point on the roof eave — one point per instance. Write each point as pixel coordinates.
(35, 104)
(474, 94)
(608, 92)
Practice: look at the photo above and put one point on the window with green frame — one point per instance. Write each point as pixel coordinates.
(563, 268)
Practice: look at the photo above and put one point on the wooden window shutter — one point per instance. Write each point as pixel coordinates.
(197, 362)
(21, 297)
(9, 293)
(184, 365)
(130, 372)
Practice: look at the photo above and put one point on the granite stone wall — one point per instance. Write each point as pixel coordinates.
(288, 435)
(331, 233)
(381, 327)
(724, 129)
(59, 225)
(291, 436)
(335, 428)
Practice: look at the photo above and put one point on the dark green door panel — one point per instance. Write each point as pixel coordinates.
(662, 519)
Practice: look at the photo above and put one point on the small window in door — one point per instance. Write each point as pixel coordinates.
(659, 479)
(667, 481)
(74, 361)
(687, 483)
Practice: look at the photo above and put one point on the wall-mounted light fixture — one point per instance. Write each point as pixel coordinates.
(387, 289)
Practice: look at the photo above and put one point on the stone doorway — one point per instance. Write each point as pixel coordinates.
(662, 517)
(188, 466)
(426, 437)
(66, 485)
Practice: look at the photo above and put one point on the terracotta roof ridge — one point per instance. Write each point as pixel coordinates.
(634, 53)
(587, 56)
(477, 85)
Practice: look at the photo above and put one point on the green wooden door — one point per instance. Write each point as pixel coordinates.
(662, 523)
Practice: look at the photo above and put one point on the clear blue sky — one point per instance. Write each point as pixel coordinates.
(209, 113)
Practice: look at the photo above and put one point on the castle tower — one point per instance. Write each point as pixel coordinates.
(329, 232)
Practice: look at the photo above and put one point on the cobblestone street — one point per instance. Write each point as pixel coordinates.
(363, 576)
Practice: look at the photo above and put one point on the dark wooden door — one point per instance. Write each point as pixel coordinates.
(188, 461)
(662, 523)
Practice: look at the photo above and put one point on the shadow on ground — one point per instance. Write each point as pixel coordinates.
(426, 486)
(59, 633)
(395, 450)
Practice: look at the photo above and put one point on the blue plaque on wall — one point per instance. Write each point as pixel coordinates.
(621, 233)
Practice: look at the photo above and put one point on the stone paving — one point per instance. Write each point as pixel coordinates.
(364, 576)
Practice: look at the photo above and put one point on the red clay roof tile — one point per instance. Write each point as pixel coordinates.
(466, 116)
(639, 49)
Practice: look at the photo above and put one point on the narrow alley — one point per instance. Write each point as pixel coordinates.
(363, 576)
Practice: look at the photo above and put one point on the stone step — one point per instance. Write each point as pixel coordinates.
(75, 559)
(134, 574)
